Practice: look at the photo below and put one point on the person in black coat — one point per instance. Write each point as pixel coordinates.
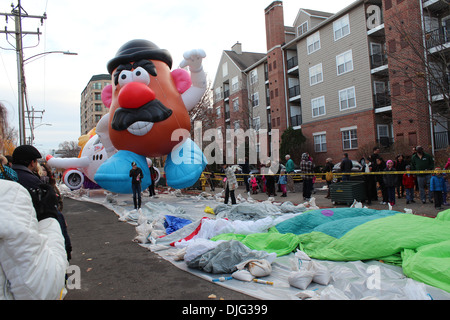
(346, 166)
(400, 165)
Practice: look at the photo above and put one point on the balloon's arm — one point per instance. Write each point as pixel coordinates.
(67, 162)
(103, 133)
(193, 95)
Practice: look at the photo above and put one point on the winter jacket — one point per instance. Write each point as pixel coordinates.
(290, 166)
(437, 183)
(390, 180)
(282, 179)
(409, 180)
(33, 260)
(231, 178)
(424, 163)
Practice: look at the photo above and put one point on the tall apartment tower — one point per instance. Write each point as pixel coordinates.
(91, 106)
(275, 38)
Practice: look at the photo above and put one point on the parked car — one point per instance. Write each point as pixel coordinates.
(357, 167)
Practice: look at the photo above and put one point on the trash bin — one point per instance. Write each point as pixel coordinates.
(347, 192)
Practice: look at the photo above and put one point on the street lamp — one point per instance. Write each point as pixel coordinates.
(40, 55)
(21, 86)
(31, 139)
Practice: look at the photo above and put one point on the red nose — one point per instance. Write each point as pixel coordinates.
(134, 95)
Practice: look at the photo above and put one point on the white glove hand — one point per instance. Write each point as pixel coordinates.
(193, 59)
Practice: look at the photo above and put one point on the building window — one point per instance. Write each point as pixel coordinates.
(255, 99)
(320, 142)
(349, 138)
(237, 125)
(97, 86)
(97, 118)
(318, 106)
(253, 76)
(303, 28)
(347, 98)
(341, 27)
(344, 62)
(97, 96)
(234, 84)
(218, 112)
(315, 74)
(217, 94)
(313, 42)
(98, 107)
(225, 69)
(236, 104)
(256, 123)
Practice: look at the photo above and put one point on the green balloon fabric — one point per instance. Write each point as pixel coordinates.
(421, 245)
(271, 242)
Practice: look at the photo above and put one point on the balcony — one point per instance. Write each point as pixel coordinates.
(441, 140)
(437, 37)
(294, 91)
(226, 94)
(440, 87)
(377, 60)
(296, 120)
(292, 65)
(381, 100)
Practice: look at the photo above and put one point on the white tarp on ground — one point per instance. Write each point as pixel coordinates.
(347, 280)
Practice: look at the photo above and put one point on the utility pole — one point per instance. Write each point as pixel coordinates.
(17, 14)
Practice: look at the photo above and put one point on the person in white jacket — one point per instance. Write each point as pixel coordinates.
(33, 258)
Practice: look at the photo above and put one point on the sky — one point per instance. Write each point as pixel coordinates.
(96, 29)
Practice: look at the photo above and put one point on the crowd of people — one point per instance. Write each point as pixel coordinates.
(386, 187)
(35, 246)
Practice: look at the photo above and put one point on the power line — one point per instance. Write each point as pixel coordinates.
(18, 14)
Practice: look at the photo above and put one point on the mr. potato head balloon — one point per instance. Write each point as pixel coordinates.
(148, 102)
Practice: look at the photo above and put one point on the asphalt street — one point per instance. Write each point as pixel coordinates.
(115, 268)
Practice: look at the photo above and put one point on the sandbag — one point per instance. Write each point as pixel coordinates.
(301, 279)
(258, 268)
(321, 273)
(225, 257)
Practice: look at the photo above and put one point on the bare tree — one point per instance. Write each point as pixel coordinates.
(417, 57)
(68, 149)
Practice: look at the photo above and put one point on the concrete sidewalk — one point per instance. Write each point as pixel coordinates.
(320, 192)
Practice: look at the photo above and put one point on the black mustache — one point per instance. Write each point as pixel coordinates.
(153, 111)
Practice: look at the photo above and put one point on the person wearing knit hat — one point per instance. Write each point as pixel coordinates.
(390, 182)
(438, 187)
(25, 161)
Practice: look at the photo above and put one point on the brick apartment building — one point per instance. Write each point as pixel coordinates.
(374, 73)
(91, 105)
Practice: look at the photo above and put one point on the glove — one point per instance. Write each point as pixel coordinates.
(44, 201)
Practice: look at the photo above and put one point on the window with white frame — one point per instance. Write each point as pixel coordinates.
(218, 112)
(255, 99)
(320, 141)
(256, 123)
(341, 27)
(237, 125)
(349, 138)
(253, 76)
(318, 106)
(303, 28)
(347, 99)
(344, 62)
(315, 74)
(313, 42)
(225, 69)
(236, 104)
(217, 94)
(234, 84)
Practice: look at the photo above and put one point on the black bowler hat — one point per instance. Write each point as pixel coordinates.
(25, 152)
(139, 49)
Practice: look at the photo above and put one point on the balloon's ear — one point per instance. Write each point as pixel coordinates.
(107, 95)
(182, 80)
